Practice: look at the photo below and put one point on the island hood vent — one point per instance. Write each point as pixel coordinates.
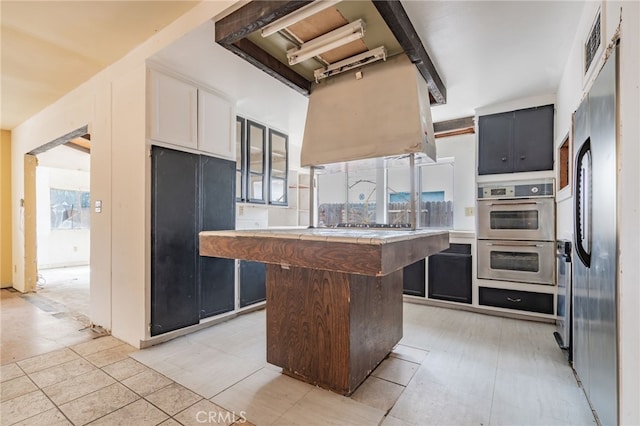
(379, 110)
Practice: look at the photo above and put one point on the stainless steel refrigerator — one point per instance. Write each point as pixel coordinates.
(595, 263)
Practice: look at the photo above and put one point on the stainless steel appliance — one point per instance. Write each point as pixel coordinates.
(520, 261)
(563, 274)
(595, 244)
(523, 219)
(516, 231)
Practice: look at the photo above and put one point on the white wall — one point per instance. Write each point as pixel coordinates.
(462, 149)
(113, 105)
(59, 247)
(571, 91)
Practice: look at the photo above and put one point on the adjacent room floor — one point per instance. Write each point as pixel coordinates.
(451, 368)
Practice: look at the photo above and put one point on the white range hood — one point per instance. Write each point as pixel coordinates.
(379, 110)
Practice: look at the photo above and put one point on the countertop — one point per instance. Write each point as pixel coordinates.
(360, 251)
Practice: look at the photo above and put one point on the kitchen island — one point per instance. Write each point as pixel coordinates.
(334, 297)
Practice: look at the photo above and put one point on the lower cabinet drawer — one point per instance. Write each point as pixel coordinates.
(515, 299)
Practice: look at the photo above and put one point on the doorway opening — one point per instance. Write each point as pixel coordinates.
(62, 226)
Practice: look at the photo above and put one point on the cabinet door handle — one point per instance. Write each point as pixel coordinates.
(522, 157)
(504, 158)
(514, 300)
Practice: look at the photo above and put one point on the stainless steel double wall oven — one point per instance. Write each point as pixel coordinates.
(516, 231)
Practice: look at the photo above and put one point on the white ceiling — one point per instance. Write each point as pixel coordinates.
(486, 52)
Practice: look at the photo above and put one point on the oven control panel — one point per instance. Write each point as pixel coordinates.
(521, 189)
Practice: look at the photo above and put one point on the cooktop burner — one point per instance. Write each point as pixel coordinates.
(374, 225)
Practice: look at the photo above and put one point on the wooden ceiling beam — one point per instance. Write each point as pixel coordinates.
(455, 124)
(398, 22)
(231, 32)
(252, 17)
(253, 54)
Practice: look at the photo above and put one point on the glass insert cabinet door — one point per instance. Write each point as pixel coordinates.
(256, 140)
(278, 166)
(240, 159)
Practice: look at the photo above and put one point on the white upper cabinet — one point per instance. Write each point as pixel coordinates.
(173, 106)
(216, 123)
(185, 115)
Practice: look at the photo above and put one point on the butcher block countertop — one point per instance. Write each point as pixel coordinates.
(356, 251)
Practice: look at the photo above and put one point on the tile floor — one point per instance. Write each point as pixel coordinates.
(451, 368)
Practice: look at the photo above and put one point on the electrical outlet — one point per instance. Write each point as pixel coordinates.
(240, 210)
(468, 211)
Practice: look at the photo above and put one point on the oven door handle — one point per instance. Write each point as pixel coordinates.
(532, 203)
(514, 245)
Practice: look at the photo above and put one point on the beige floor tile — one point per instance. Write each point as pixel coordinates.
(173, 398)
(430, 399)
(47, 360)
(10, 371)
(531, 395)
(378, 393)
(139, 413)
(95, 405)
(146, 382)
(206, 412)
(393, 421)
(169, 422)
(111, 355)
(124, 369)
(23, 407)
(60, 373)
(78, 386)
(16, 387)
(396, 370)
(321, 407)
(96, 345)
(51, 417)
(264, 396)
(409, 353)
(207, 372)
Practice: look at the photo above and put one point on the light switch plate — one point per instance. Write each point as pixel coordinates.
(468, 211)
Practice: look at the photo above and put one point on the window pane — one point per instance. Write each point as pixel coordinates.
(239, 144)
(238, 184)
(255, 187)
(256, 148)
(278, 190)
(278, 155)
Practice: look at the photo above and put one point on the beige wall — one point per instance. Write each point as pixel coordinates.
(112, 104)
(6, 266)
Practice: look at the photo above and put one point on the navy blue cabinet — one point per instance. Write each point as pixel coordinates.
(190, 193)
(516, 141)
(253, 277)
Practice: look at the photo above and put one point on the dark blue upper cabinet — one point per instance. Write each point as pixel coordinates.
(516, 141)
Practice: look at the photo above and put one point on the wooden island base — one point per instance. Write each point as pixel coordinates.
(334, 298)
(330, 328)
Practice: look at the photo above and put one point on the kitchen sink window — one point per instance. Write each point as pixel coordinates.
(377, 193)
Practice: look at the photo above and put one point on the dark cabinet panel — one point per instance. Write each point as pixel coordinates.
(533, 136)
(217, 212)
(190, 193)
(516, 299)
(253, 277)
(516, 141)
(174, 253)
(495, 154)
(450, 274)
(413, 279)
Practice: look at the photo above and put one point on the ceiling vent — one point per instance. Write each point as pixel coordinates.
(592, 45)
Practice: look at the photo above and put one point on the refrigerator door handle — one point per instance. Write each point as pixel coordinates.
(582, 204)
